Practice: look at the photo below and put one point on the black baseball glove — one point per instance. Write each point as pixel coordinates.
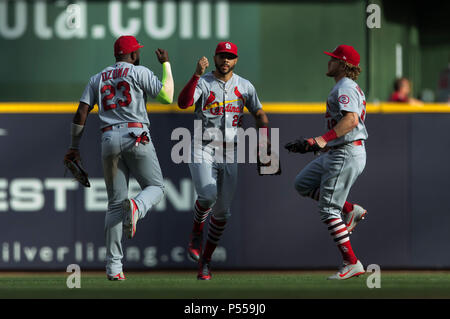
(303, 145)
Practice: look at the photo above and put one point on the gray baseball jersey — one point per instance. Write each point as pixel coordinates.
(221, 104)
(346, 96)
(121, 92)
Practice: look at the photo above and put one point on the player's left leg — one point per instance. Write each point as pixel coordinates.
(343, 166)
(144, 166)
(204, 177)
(220, 213)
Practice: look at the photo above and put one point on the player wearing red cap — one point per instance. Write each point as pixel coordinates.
(220, 97)
(121, 92)
(329, 177)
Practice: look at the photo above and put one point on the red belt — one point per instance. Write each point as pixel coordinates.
(131, 124)
(356, 143)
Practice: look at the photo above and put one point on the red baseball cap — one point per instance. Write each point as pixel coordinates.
(227, 47)
(126, 44)
(345, 53)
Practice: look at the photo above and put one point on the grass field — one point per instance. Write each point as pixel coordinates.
(227, 285)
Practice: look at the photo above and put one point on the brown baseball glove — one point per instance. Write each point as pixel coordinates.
(72, 162)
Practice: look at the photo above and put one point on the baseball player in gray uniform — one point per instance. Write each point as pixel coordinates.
(121, 92)
(329, 177)
(219, 97)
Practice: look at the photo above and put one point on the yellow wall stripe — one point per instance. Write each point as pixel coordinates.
(269, 107)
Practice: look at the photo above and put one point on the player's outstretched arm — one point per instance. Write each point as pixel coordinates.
(72, 159)
(186, 97)
(165, 96)
(77, 127)
(76, 131)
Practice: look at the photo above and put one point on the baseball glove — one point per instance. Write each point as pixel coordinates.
(303, 145)
(72, 162)
(265, 169)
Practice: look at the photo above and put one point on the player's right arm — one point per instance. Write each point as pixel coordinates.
(187, 95)
(87, 102)
(76, 131)
(81, 114)
(346, 124)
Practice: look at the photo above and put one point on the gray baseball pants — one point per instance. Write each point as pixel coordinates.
(120, 158)
(214, 182)
(333, 174)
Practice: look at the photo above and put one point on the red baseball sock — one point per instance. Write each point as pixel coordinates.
(348, 207)
(215, 231)
(339, 232)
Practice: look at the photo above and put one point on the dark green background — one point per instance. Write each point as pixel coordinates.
(280, 44)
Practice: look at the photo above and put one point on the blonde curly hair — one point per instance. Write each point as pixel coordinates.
(351, 71)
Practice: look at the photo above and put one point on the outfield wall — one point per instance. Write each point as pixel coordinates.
(53, 48)
(49, 221)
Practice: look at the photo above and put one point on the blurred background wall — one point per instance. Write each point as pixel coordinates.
(281, 43)
(50, 49)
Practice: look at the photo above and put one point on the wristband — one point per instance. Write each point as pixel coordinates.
(76, 131)
(330, 135)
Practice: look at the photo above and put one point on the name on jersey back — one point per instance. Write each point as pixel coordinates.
(114, 74)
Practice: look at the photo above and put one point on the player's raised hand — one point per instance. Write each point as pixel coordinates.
(201, 66)
(162, 55)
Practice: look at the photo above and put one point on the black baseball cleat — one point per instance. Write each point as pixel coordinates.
(195, 246)
(204, 270)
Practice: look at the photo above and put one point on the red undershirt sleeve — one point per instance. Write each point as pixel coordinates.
(186, 97)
